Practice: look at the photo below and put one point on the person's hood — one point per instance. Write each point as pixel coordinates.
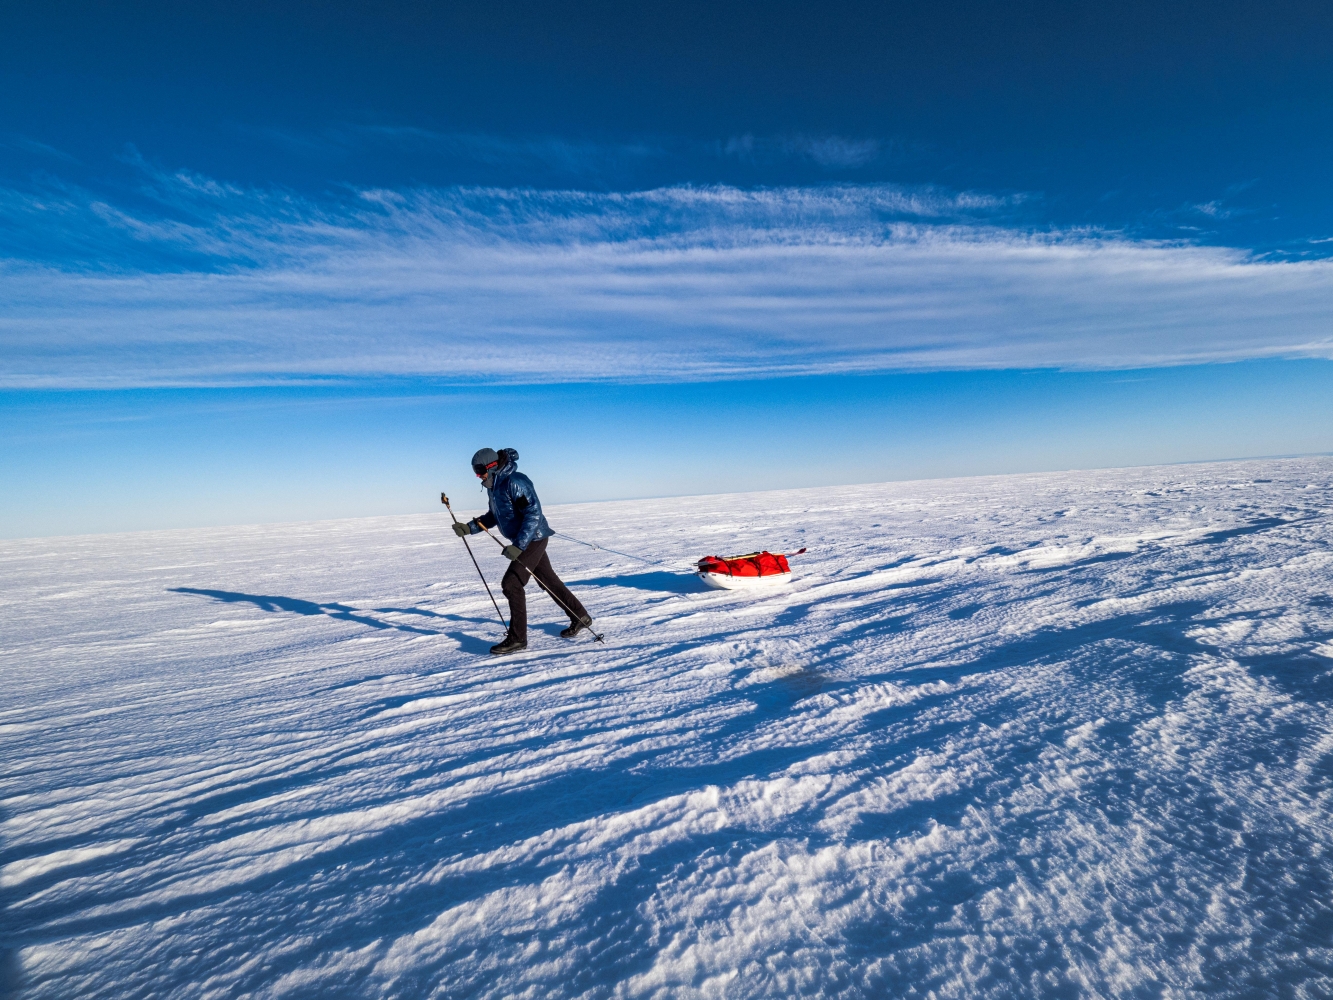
(508, 465)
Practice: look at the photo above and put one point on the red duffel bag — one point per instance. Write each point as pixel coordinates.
(751, 564)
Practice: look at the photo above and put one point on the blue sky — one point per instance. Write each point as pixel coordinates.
(260, 264)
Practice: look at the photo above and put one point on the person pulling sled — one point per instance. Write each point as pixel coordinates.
(517, 513)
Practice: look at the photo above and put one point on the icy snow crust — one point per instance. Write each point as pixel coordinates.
(1049, 735)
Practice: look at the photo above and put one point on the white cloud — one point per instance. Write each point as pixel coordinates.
(23, 144)
(678, 283)
(833, 151)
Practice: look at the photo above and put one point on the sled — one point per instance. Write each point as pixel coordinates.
(751, 571)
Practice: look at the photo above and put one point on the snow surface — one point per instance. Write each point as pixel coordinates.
(1047, 735)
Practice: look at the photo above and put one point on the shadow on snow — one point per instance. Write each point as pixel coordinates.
(340, 612)
(658, 582)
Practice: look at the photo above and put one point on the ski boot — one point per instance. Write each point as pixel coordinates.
(509, 645)
(575, 627)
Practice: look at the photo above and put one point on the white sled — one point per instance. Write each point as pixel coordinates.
(751, 571)
(723, 581)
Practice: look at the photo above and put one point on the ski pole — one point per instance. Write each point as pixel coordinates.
(445, 500)
(597, 637)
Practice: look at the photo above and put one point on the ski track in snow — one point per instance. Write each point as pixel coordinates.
(1047, 735)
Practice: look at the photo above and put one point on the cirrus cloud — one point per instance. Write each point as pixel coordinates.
(196, 282)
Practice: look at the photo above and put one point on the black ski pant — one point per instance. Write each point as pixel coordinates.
(534, 562)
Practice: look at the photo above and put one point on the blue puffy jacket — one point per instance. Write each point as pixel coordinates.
(515, 509)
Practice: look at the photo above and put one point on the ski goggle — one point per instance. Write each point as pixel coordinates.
(481, 470)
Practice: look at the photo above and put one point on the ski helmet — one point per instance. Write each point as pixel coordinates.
(485, 460)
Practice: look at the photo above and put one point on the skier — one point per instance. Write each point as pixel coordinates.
(516, 511)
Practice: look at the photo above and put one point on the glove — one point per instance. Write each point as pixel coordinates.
(512, 552)
(461, 529)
